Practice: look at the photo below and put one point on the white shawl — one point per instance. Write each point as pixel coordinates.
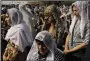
(19, 33)
(83, 11)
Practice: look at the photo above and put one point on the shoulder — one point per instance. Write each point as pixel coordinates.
(32, 57)
(87, 28)
(88, 25)
(19, 30)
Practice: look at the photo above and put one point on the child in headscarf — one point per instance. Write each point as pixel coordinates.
(44, 49)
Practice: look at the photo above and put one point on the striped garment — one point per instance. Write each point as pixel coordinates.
(77, 40)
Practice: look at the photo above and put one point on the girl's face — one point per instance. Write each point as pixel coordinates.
(7, 19)
(75, 11)
(41, 47)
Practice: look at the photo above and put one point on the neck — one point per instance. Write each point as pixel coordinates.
(52, 25)
(78, 16)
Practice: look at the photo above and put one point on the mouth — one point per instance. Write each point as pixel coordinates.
(49, 21)
(42, 50)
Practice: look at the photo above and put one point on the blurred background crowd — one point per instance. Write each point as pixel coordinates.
(52, 16)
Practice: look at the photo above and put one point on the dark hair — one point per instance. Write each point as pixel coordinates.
(72, 7)
(53, 20)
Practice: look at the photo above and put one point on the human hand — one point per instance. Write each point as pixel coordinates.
(66, 51)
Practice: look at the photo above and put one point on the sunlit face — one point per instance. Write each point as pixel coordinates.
(47, 14)
(42, 49)
(48, 11)
(75, 10)
(7, 19)
(48, 19)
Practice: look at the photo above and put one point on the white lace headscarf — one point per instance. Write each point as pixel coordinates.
(47, 39)
(15, 16)
(19, 33)
(82, 7)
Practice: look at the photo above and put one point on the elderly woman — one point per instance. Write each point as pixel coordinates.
(79, 34)
(18, 36)
(44, 49)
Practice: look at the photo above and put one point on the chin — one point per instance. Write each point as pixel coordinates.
(42, 53)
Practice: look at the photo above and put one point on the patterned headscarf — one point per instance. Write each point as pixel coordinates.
(47, 39)
(82, 7)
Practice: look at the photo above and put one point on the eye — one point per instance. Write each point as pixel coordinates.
(38, 43)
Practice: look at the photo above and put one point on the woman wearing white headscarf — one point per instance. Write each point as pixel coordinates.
(79, 34)
(18, 36)
(44, 49)
(28, 16)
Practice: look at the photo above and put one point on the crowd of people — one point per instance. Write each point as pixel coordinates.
(45, 32)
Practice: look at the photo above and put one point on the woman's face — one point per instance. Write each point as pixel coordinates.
(7, 19)
(41, 47)
(75, 11)
(47, 14)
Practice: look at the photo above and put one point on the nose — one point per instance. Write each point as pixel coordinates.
(74, 12)
(40, 46)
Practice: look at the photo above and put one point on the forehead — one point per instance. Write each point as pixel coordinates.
(38, 41)
(7, 15)
(74, 8)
